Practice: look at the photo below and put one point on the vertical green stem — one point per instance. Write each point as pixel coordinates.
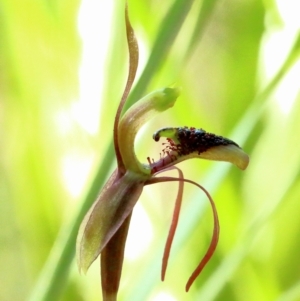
(54, 276)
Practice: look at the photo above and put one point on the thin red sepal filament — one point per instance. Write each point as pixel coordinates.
(216, 229)
(174, 223)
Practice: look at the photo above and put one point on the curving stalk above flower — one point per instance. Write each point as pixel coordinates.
(105, 226)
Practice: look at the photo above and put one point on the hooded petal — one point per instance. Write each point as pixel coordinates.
(136, 116)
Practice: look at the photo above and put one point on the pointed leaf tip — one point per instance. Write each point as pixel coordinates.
(84, 256)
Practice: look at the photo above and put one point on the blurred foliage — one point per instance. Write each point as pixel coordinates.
(239, 72)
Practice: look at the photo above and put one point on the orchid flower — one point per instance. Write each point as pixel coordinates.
(105, 226)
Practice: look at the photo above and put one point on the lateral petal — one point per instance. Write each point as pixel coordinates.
(105, 217)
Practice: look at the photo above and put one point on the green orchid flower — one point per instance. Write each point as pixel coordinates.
(105, 226)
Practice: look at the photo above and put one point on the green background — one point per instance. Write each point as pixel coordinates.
(238, 65)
